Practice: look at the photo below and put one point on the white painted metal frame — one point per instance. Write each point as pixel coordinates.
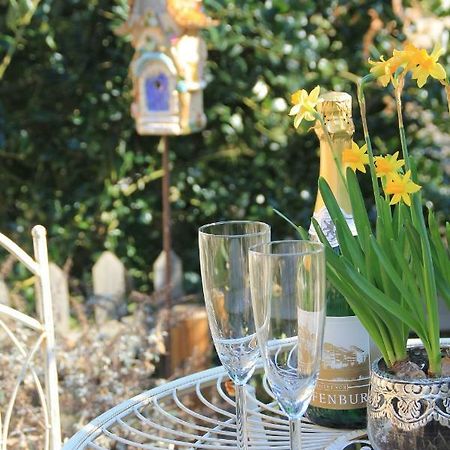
(45, 340)
(194, 412)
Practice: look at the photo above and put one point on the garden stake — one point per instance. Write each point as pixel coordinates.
(167, 241)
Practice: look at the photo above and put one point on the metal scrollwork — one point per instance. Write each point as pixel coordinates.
(348, 441)
(409, 404)
(351, 445)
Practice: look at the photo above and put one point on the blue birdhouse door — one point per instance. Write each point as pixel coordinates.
(157, 93)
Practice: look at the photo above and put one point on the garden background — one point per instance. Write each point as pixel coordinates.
(72, 161)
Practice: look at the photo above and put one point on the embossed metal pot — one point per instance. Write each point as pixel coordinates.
(408, 414)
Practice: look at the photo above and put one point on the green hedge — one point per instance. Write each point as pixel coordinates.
(71, 160)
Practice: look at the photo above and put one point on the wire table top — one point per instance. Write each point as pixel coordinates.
(197, 412)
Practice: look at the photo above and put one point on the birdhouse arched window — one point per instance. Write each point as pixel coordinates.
(156, 77)
(157, 92)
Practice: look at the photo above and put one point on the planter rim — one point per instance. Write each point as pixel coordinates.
(380, 373)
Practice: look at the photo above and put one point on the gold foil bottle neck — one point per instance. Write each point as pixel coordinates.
(336, 110)
(335, 103)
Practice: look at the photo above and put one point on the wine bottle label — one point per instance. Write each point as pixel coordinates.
(345, 367)
(327, 226)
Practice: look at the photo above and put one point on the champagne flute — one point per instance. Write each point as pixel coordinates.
(288, 295)
(226, 286)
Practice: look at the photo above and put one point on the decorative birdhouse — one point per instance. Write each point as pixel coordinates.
(167, 68)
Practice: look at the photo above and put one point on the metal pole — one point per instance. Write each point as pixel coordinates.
(167, 241)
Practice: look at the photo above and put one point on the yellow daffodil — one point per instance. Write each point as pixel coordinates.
(427, 65)
(418, 61)
(408, 57)
(304, 105)
(355, 157)
(388, 165)
(400, 187)
(384, 70)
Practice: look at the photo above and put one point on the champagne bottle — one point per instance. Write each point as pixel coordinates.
(340, 396)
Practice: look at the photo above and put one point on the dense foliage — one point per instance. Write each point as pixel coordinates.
(71, 160)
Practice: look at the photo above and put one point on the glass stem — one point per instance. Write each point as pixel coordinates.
(295, 434)
(241, 417)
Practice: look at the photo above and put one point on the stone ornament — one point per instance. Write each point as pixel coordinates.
(168, 65)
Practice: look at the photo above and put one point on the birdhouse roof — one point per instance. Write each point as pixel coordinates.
(169, 14)
(188, 14)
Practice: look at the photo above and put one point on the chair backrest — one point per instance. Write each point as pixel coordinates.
(44, 343)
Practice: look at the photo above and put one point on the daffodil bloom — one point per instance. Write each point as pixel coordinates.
(304, 105)
(418, 61)
(384, 70)
(427, 65)
(388, 165)
(355, 157)
(400, 187)
(408, 57)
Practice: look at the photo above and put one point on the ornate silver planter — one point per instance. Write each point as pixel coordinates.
(407, 414)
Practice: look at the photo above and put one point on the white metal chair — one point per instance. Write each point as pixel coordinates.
(45, 341)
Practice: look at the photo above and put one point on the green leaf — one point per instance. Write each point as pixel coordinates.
(410, 282)
(384, 224)
(349, 246)
(6, 42)
(386, 284)
(330, 200)
(442, 257)
(443, 287)
(372, 268)
(357, 303)
(403, 216)
(301, 231)
(359, 209)
(402, 288)
(396, 218)
(333, 207)
(13, 15)
(414, 242)
(377, 321)
(379, 297)
(320, 234)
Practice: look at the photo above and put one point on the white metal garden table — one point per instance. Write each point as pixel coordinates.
(197, 412)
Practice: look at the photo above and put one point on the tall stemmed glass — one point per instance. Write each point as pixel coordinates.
(226, 286)
(288, 294)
